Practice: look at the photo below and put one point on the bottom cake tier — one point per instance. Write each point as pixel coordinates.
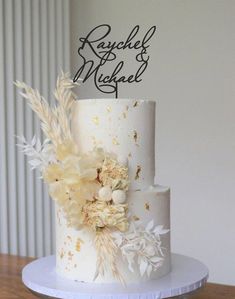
(76, 255)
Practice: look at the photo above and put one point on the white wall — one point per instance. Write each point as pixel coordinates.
(191, 76)
(34, 46)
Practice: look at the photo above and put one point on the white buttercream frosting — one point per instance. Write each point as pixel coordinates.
(125, 127)
(76, 254)
(122, 126)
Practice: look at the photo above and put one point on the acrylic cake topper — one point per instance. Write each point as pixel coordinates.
(103, 59)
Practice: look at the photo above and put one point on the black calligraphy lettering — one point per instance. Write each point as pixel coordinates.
(107, 51)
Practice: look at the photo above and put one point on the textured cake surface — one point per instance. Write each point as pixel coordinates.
(126, 128)
(76, 255)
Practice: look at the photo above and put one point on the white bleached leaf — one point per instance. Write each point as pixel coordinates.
(35, 163)
(164, 231)
(38, 145)
(46, 141)
(130, 267)
(117, 238)
(156, 259)
(119, 242)
(29, 152)
(132, 235)
(130, 262)
(149, 270)
(34, 140)
(160, 230)
(149, 225)
(160, 250)
(21, 138)
(143, 266)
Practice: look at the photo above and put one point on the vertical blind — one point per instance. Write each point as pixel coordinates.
(34, 47)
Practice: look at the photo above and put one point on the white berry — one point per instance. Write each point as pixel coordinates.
(105, 193)
(119, 196)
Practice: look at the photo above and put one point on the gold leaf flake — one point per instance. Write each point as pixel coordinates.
(95, 142)
(108, 109)
(135, 104)
(69, 238)
(136, 218)
(58, 217)
(130, 155)
(70, 255)
(135, 136)
(127, 107)
(115, 141)
(61, 254)
(78, 244)
(137, 174)
(124, 114)
(147, 207)
(96, 120)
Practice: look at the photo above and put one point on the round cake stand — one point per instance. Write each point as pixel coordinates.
(186, 276)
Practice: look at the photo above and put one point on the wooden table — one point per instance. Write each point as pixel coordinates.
(11, 286)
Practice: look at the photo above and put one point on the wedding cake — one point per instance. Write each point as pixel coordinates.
(112, 221)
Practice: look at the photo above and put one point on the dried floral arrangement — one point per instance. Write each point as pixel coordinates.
(90, 188)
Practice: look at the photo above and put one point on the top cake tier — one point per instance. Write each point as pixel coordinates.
(125, 127)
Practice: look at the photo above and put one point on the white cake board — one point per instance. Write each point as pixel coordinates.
(186, 276)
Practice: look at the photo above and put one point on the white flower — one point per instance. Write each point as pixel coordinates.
(103, 214)
(80, 166)
(114, 174)
(142, 246)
